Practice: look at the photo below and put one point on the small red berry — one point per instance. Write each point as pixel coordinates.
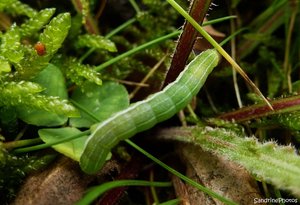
(40, 48)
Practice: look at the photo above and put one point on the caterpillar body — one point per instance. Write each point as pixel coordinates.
(145, 114)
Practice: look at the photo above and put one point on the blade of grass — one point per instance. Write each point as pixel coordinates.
(181, 176)
(44, 146)
(148, 44)
(233, 54)
(171, 202)
(21, 143)
(95, 192)
(264, 24)
(137, 49)
(219, 49)
(198, 10)
(286, 65)
(109, 35)
(135, 6)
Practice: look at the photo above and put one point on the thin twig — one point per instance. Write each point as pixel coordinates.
(150, 73)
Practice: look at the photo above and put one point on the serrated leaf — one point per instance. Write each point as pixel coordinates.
(72, 149)
(4, 65)
(51, 39)
(279, 165)
(288, 120)
(79, 73)
(55, 33)
(37, 22)
(53, 81)
(17, 88)
(96, 41)
(11, 46)
(84, 9)
(18, 8)
(101, 101)
(5, 3)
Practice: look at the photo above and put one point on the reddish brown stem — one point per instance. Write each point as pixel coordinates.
(198, 10)
(90, 23)
(261, 110)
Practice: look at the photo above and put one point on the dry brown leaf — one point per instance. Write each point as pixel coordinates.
(219, 174)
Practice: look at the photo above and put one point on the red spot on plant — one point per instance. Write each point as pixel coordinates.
(40, 48)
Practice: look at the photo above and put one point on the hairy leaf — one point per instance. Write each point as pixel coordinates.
(30, 106)
(36, 23)
(79, 73)
(18, 8)
(24, 96)
(96, 41)
(4, 65)
(53, 82)
(51, 39)
(55, 33)
(276, 164)
(85, 5)
(11, 89)
(11, 46)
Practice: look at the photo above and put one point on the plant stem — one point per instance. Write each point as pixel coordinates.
(90, 23)
(219, 49)
(120, 28)
(146, 45)
(109, 35)
(135, 6)
(261, 110)
(21, 143)
(44, 146)
(233, 54)
(198, 10)
(286, 64)
(82, 108)
(137, 49)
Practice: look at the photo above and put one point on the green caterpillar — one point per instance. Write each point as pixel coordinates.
(145, 114)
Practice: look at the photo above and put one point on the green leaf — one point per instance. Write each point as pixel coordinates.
(4, 65)
(11, 46)
(101, 101)
(5, 3)
(55, 33)
(52, 38)
(11, 92)
(79, 73)
(95, 41)
(37, 22)
(53, 81)
(18, 8)
(72, 149)
(279, 165)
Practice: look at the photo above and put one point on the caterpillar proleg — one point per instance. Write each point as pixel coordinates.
(145, 114)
